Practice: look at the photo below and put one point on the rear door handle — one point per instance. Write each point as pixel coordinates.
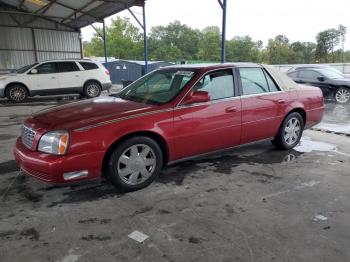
(231, 109)
(281, 101)
(76, 75)
(52, 77)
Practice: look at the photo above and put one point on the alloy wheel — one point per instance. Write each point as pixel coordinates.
(342, 95)
(136, 164)
(17, 94)
(92, 90)
(292, 131)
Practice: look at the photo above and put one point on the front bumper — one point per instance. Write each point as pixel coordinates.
(2, 92)
(51, 168)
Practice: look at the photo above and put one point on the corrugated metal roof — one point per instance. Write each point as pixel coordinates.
(73, 14)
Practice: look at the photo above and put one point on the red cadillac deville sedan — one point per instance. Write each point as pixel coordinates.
(169, 115)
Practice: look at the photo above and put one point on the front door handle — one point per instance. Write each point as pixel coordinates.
(231, 109)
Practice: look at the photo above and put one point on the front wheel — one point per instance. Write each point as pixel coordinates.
(135, 163)
(16, 93)
(342, 95)
(290, 132)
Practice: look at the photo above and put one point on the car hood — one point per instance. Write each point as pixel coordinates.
(3, 77)
(84, 113)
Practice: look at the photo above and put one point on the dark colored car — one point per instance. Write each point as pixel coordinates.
(333, 85)
(303, 67)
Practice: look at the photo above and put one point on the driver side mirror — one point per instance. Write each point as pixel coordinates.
(197, 97)
(33, 71)
(321, 78)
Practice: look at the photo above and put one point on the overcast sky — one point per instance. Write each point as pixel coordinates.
(297, 19)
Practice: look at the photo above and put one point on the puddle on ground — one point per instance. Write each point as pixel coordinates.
(307, 145)
(29, 233)
(19, 187)
(7, 137)
(337, 128)
(8, 167)
(88, 193)
(224, 163)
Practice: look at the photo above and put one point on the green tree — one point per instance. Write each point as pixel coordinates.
(124, 40)
(342, 33)
(209, 46)
(175, 41)
(347, 57)
(243, 49)
(327, 40)
(278, 51)
(302, 52)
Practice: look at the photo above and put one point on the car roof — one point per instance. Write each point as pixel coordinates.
(312, 66)
(68, 60)
(210, 66)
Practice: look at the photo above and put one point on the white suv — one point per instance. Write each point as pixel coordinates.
(56, 77)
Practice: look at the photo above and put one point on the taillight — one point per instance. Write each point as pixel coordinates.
(107, 72)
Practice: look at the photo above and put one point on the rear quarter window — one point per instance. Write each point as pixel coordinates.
(88, 65)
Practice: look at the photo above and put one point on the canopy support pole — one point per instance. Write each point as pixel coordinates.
(144, 28)
(223, 5)
(104, 40)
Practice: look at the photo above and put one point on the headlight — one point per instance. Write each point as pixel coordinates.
(55, 142)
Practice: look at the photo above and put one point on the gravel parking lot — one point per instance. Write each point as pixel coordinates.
(253, 203)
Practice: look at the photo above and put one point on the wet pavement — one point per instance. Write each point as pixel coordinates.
(337, 119)
(253, 203)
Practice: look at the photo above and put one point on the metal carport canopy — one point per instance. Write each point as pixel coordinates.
(80, 13)
(73, 14)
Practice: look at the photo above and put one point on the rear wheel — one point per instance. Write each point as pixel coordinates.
(92, 89)
(16, 93)
(135, 163)
(342, 95)
(290, 132)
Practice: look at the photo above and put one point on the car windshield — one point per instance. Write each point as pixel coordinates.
(331, 74)
(158, 87)
(25, 68)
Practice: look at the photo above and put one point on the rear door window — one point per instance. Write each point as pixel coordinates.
(88, 65)
(309, 74)
(253, 81)
(68, 67)
(256, 81)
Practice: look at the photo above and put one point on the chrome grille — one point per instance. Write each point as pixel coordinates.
(27, 136)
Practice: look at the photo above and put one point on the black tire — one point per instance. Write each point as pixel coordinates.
(115, 164)
(283, 139)
(342, 95)
(92, 89)
(16, 93)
